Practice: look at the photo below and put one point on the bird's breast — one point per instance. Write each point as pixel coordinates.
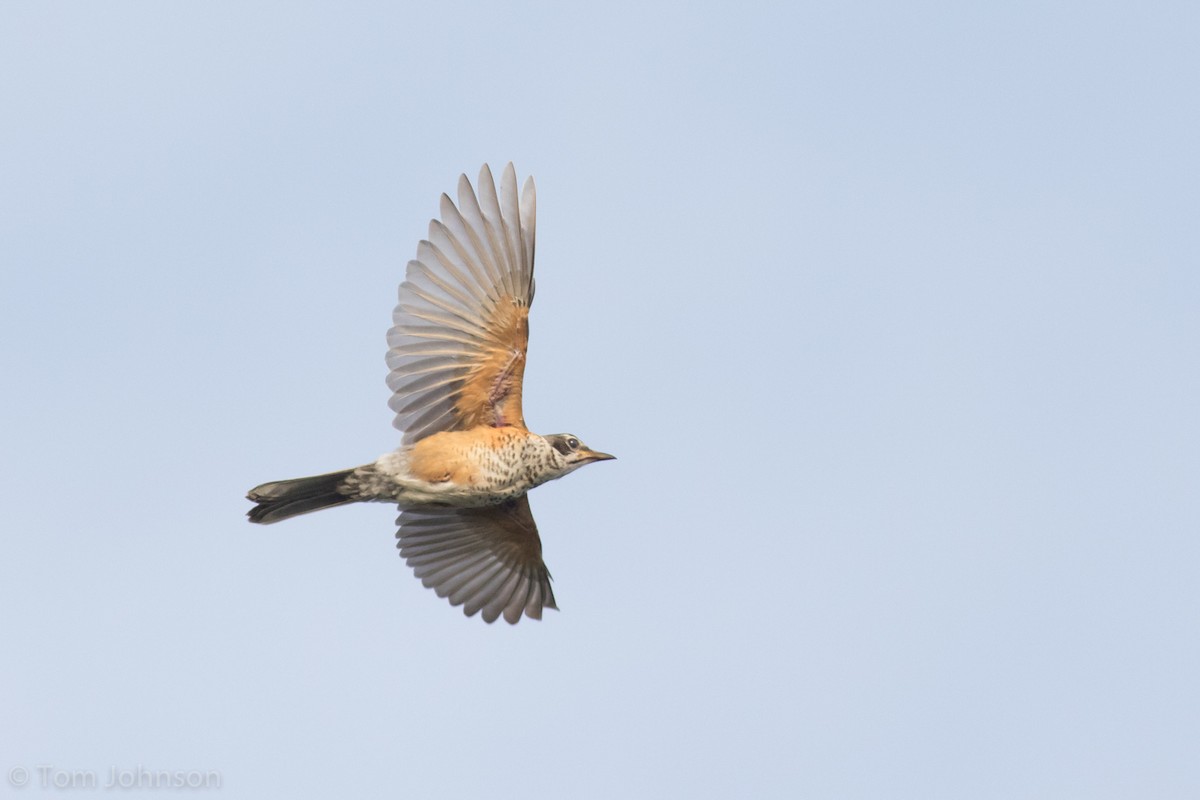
(489, 462)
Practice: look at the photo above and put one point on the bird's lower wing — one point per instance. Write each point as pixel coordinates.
(485, 559)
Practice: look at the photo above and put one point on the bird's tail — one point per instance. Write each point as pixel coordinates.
(282, 499)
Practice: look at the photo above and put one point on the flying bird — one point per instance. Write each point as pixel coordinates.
(456, 355)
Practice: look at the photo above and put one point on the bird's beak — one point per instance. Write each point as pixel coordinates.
(593, 455)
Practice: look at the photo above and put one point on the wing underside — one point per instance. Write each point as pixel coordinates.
(488, 560)
(456, 351)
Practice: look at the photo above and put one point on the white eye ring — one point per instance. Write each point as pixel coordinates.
(573, 443)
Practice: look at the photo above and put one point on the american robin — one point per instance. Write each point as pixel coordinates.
(456, 354)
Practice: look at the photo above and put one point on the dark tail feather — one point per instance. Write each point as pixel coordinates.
(282, 499)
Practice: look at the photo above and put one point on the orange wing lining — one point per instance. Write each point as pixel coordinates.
(491, 395)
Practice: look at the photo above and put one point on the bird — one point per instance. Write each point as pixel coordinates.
(466, 460)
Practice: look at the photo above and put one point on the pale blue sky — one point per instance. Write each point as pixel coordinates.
(889, 312)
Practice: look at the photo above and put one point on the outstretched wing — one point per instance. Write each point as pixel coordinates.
(457, 348)
(484, 559)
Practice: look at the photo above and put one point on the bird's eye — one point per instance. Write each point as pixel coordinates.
(573, 443)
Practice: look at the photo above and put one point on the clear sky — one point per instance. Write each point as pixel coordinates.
(889, 311)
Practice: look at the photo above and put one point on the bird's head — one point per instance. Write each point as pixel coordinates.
(570, 454)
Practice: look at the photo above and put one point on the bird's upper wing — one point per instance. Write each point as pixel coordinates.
(456, 350)
(485, 559)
